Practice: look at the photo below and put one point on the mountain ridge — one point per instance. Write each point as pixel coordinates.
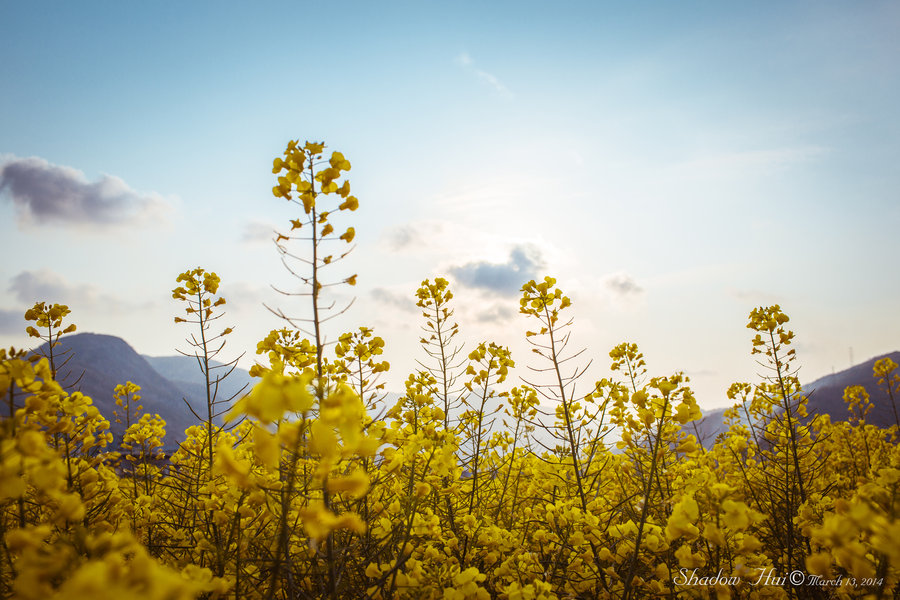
(99, 362)
(826, 396)
(95, 364)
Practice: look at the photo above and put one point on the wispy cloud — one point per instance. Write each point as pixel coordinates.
(493, 195)
(452, 247)
(756, 297)
(44, 285)
(48, 194)
(622, 285)
(258, 231)
(412, 236)
(12, 321)
(465, 61)
(242, 295)
(619, 291)
(501, 278)
(394, 299)
(499, 313)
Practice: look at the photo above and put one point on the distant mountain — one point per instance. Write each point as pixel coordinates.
(710, 426)
(185, 373)
(98, 363)
(826, 397)
(826, 394)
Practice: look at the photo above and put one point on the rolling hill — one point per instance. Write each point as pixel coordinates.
(826, 396)
(96, 364)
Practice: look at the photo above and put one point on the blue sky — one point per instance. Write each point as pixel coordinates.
(673, 165)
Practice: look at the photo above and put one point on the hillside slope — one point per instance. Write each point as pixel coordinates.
(98, 363)
(185, 373)
(826, 397)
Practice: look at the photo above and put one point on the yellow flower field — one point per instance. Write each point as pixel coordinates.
(471, 486)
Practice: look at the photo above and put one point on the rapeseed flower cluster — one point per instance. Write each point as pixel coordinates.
(467, 487)
(413, 509)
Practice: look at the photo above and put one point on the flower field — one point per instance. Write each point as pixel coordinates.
(471, 486)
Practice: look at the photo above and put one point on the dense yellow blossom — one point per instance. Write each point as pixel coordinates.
(468, 487)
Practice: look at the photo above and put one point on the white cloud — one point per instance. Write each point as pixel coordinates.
(465, 61)
(504, 278)
(413, 236)
(619, 291)
(622, 285)
(446, 244)
(498, 313)
(258, 231)
(395, 299)
(48, 194)
(45, 285)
